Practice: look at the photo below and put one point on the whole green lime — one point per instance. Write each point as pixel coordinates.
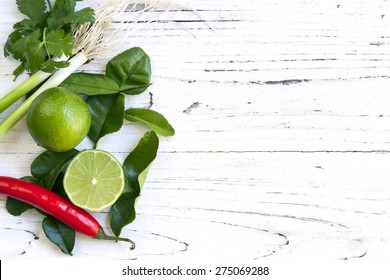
(58, 119)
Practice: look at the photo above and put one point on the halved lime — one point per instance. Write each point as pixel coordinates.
(94, 180)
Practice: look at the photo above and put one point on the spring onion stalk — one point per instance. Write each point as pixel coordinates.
(23, 89)
(55, 80)
(93, 40)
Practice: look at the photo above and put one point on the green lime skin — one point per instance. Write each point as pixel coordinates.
(58, 119)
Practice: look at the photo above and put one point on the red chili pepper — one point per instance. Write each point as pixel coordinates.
(57, 206)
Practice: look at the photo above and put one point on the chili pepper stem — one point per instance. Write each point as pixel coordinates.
(103, 236)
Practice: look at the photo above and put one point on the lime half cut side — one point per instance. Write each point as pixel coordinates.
(94, 180)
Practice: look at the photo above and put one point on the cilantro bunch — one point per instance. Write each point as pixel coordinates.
(41, 40)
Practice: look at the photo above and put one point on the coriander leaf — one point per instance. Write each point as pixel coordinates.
(12, 38)
(123, 212)
(60, 234)
(157, 122)
(34, 9)
(79, 17)
(140, 160)
(16, 207)
(131, 70)
(35, 54)
(64, 7)
(29, 50)
(48, 165)
(60, 9)
(28, 25)
(90, 84)
(19, 48)
(51, 66)
(107, 113)
(58, 43)
(19, 70)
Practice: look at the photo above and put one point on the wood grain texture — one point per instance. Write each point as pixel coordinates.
(282, 136)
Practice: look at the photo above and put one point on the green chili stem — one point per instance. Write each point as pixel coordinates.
(101, 235)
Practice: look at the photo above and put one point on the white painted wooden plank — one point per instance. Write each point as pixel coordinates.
(352, 116)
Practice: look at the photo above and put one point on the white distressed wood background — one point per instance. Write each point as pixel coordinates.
(282, 145)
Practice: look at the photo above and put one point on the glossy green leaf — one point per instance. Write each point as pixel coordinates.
(16, 207)
(107, 113)
(128, 72)
(136, 167)
(123, 212)
(90, 84)
(143, 175)
(157, 122)
(48, 165)
(131, 70)
(60, 234)
(139, 160)
(58, 187)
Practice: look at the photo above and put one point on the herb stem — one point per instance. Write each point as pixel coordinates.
(45, 43)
